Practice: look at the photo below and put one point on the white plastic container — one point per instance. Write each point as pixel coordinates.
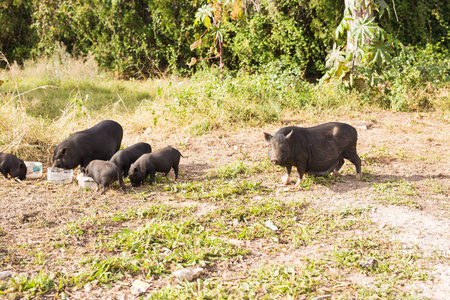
(86, 181)
(34, 169)
(59, 175)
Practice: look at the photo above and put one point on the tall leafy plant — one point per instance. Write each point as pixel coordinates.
(213, 16)
(367, 44)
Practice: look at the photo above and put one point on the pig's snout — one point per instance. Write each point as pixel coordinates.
(274, 161)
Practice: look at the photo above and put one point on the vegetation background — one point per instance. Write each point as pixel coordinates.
(144, 38)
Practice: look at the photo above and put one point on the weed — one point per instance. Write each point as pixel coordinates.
(437, 188)
(310, 180)
(379, 155)
(397, 192)
(34, 285)
(216, 191)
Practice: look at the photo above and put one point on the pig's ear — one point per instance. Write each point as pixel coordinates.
(64, 150)
(267, 136)
(22, 165)
(135, 170)
(288, 136)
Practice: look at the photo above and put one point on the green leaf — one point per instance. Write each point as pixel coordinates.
(378, 53)
(217, 32)
(364, 30)
(381, 6)
(204, 12)
(341, 28)
(335, 58)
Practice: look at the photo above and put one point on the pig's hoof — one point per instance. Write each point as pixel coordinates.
(358, 176)
(286, 179)
(299, 181)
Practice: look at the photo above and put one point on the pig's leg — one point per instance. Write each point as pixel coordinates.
(286, 178)
(5, 173)
(152, 177)
(84, 162)
(104, 190)
(175, 168)
(301, 170)
(120, 179)
(126, 169)
(354, 158)
(338, 167)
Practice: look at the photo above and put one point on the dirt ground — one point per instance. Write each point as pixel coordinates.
(393, 146)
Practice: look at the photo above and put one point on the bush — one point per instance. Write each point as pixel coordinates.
(410, 82)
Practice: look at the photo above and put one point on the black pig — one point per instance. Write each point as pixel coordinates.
(314, 150)
(159, 161)
(98, 142)
(10, 164)
(104, 173)
(124, 158)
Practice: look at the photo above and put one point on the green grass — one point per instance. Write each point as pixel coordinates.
(32, 285)
(216, 190)
(241, 168)
(397, 192)
(171, 238)
(376, 156)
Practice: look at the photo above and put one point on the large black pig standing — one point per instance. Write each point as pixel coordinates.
(125, 157)
(314, 150)
(98, 142)
(10, 164)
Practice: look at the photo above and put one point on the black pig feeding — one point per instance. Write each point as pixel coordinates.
(10, 164)
(162, 160)
(124, 158)
(98, 142)
(104, 173)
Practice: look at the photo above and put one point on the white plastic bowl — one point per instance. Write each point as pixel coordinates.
(86, 181)
(59, 175)
(34, 169)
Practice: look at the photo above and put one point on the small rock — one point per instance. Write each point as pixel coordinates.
(188, 274)
(270, 225)
(370, 263)
(64, 296)
(88, 287)
(139, 287)
(364, 124)
(5, 274)
(165, 252)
